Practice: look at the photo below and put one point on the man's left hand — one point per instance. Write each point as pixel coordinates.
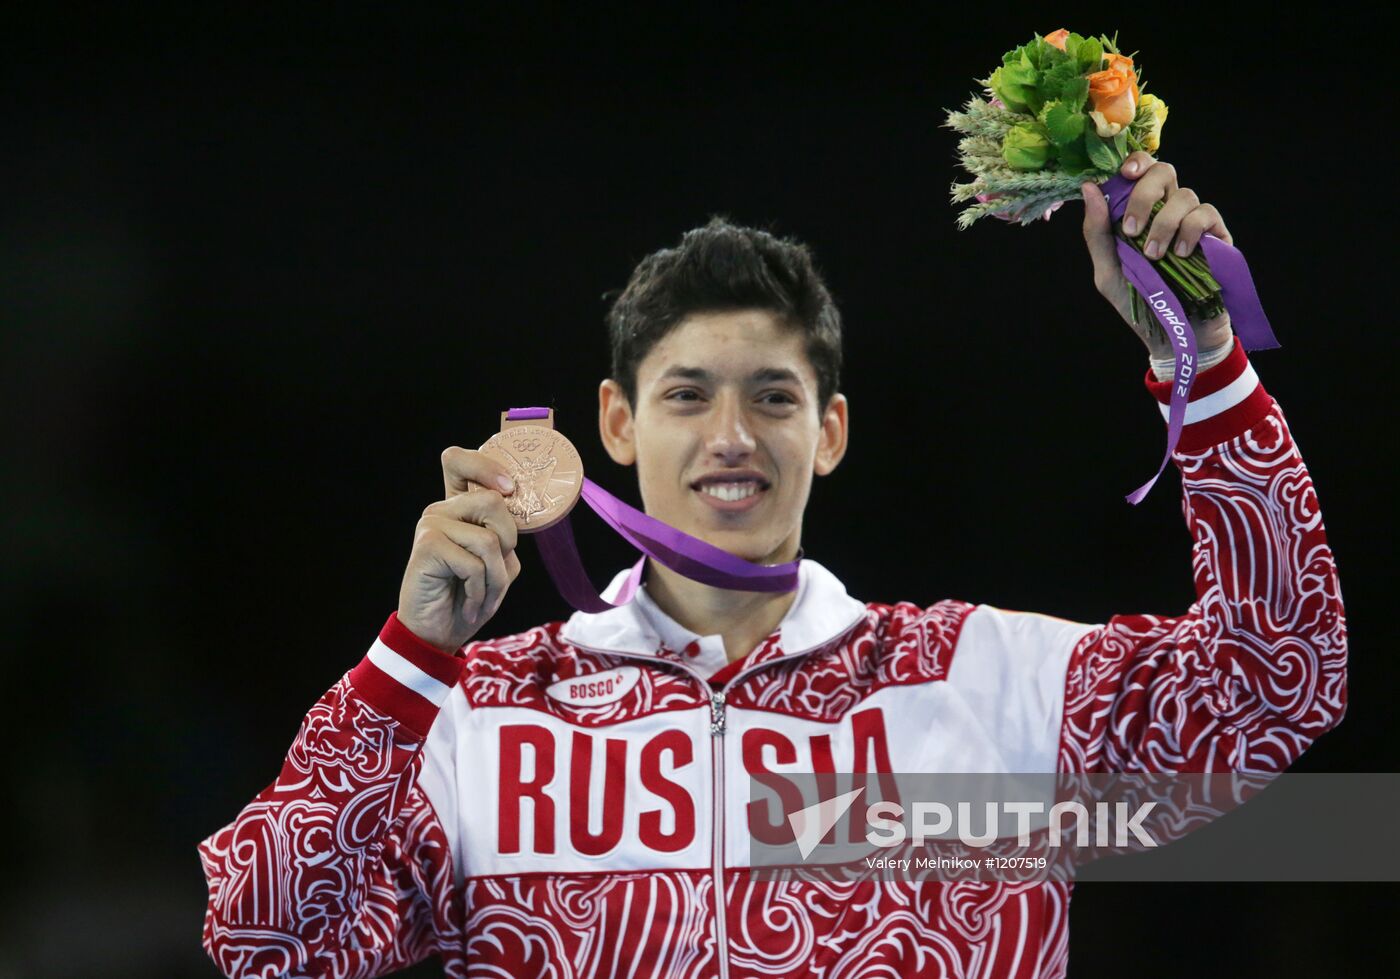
(1178, 225)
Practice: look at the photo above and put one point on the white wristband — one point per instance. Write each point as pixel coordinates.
(1206, 359)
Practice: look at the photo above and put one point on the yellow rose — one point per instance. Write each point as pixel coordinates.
(1153, 139)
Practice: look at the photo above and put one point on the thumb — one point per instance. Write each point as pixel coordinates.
(1098, 234)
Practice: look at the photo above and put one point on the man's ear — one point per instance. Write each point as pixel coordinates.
(831, 445)
(615, 423)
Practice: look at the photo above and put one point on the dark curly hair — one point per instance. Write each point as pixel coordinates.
(724, 267)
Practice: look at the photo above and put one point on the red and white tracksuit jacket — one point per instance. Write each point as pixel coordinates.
(571, 801)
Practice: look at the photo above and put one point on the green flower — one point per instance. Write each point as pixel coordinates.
(1025, 147)
(1015, 85)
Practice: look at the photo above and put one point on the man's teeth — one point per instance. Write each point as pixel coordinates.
(730, 491)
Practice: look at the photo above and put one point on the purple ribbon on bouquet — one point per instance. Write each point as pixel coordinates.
(1227, 265)
(686, 555)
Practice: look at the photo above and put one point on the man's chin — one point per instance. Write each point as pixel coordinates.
(740, 543)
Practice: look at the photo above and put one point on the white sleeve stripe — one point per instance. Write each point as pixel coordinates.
(408, 674)
(1222, 400)
(1009, 670)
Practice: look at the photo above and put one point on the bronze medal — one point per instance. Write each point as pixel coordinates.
(547, 470)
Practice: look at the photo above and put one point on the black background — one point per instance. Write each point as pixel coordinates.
(260, 268)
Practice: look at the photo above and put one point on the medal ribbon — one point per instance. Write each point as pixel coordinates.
(686, 555)
(1228, 266)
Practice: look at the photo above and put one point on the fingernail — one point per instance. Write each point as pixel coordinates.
(1132, 167)
(1130, 226)
(1153, 249)
(1181, 248)
(505, 483)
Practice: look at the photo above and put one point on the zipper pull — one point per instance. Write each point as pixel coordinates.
(717, 713)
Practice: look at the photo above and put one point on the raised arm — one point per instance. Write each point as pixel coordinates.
(340, 867)
(1256, 668)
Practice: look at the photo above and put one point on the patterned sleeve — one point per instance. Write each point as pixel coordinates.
(1255, 670)
(340, 866)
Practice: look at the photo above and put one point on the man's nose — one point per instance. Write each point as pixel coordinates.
(729, 435)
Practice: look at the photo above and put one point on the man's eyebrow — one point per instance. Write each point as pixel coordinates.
(762, 375)
(776, 374)
(688, 373)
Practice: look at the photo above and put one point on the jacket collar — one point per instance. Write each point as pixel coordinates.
(821, 612)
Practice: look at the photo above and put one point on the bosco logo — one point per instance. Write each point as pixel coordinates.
(603, 687)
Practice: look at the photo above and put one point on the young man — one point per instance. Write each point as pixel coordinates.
(571, 801)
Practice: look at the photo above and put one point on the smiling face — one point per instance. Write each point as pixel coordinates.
(726, 432)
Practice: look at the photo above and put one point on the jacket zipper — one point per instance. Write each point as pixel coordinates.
(717, 729)
(717, 830)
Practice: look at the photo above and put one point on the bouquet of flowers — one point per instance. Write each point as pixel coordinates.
(1063, 109)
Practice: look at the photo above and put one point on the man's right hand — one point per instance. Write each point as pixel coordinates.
(463, 556)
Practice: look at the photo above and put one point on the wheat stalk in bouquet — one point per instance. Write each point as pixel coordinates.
(1063, 109)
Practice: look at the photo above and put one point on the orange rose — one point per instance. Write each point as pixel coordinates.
(1058, 38)
(1113, 93)
(1123, 64)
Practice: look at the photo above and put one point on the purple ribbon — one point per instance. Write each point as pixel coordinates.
(686, 555)
(1247, 319)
